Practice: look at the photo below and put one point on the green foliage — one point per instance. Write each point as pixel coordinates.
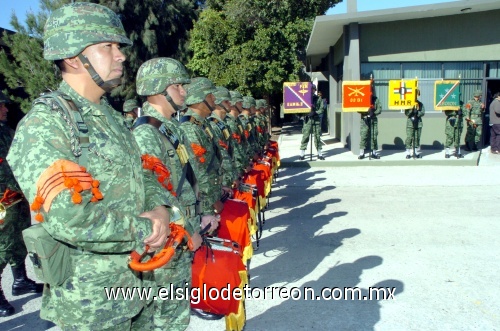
(157, 28)
(24, 68)
(253, 45)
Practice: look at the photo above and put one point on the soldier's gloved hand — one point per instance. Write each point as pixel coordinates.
(459, 113)
(160, 217)
(213, 220)
(311, 113)
(371, 113)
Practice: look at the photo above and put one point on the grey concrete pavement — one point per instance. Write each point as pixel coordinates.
(430, 232)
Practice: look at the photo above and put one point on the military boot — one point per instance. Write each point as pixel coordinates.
(5, 307)
(22, 284)
(467, 147)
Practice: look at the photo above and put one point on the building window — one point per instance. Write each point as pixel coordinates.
(471, 76)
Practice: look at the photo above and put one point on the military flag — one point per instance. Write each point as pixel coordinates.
(402, 94)
(447, 95)
(356, 96)
(297, 97)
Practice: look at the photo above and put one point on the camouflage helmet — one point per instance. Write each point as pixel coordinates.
(235, 97)
(248, 102)
(221, 94)
(478, 93)
(73, 27)
(198, 90)
(3, 98)
(129, 105)
(260, 103)
(155, 75)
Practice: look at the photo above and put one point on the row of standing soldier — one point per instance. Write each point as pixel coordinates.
(124, 203)
(473, 110)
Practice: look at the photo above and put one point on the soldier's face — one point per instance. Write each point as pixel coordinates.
(226, 104)
(211, 100)
(3, 111)
(177, 93)
(107, 59)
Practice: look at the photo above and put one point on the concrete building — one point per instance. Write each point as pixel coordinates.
(432, 42)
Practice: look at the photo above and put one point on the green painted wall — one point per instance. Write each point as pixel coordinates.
(464, 37)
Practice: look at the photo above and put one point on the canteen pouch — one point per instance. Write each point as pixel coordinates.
(51, 258)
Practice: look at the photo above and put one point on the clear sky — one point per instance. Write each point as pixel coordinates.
(364, 5)
(22, 6)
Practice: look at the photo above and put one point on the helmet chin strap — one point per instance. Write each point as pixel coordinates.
(208, 105)
(170, 101)
(227, 110)
(240, 110)
(107, 86)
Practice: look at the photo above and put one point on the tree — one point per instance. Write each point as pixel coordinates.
(24, 69)
(157, 28)
(254, 45)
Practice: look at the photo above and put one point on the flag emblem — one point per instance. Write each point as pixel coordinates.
(447, 95)
(402, 94)
(356, 96)
(297, 97)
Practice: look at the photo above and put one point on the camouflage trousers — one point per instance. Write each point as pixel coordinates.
(173, 312)
(453, 133)
(314, 125)
(81, 302)
(473, 135)
(367, 135)
(12, 248)
(413, 134)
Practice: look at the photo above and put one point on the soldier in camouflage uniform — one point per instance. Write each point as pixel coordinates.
(238, 139)
(161, 80)
(474, 110)
(131, 111)
(223, 136)
(246, 119)
(123, 207)
(370, 133)
(264, 120)
(453, 131)
(414, 128)
(204, 155)
(312, 123)
(16, 219)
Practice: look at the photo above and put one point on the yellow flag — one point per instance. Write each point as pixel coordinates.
(402, 94)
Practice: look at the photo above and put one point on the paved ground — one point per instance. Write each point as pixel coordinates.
(428, 231)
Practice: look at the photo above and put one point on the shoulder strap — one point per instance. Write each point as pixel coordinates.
(79, 132)
(164, 130)
(187, 170)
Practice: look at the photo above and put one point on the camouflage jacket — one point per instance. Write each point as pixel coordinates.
(222, 134)
(205, 158)
(153, 142)
(377, 110)
(237, 142)
(453, 119)
(417, 112)
(250, 133)
(112, 224)
(474, 111)
(7, 180)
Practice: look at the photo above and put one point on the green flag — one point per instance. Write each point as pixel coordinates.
(447, 95)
